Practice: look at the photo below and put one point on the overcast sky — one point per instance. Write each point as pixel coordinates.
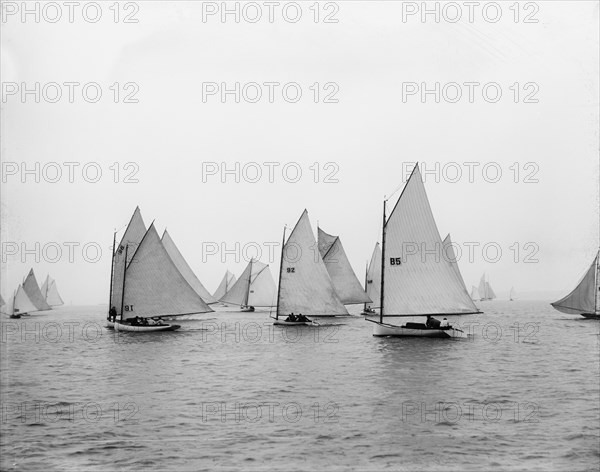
(366, 141)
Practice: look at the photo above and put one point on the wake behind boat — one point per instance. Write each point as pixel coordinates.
(416, 282)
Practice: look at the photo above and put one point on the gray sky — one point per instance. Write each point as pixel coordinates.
(371, 135)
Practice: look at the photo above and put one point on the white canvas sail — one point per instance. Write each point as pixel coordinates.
(7, 308)
(22, 303)
(255, 287)
(185, 269)
(344, 280)
(474, 293)
(584, 298)
(154, 286)
(483, 292)
(513, 294)
(45, 285)
(132, 237)
(373, 287)
(32, 289)
(417, 280)
(489, 291)
(50, 292)
(227, 282)
(450, 255)
(304, 283)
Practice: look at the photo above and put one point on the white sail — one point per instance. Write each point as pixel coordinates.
(154, 286)
(53, 297)
(450, 255)
(483, 292)
(45, 285)
(489, 291)
(340, 271)
(131, 238)
(416, 279)
(185, 269)
(2, 302)
(32, 289)
(227, 282)
(584, 298)
(474, 293)
(255, 287)
(513, 294)
(304, 284)
(22, 303)
(373, 287)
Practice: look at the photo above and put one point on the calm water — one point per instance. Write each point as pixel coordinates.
(230, 391)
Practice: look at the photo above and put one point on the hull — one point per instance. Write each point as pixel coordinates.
(593, 316)
(144, 329)
(15, 316)
(385, 329)
(369, 313)
(247, 309)
(294, 323)
(110, 324)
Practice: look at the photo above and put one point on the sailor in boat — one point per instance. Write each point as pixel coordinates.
(112, 314)
(432, 322)
(444, 324)
(291, 318)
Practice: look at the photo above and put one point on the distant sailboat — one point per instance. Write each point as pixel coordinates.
(50, 292)
(584, 300)
(255, 287)
(32, 289)
(420, 284)
(22, 304)
(373, 282)
(185, 269)
(340, 271)
(152, 286)
(226, 283)
(485, 290)
(304, 283)
(475, 293)
(513, 294)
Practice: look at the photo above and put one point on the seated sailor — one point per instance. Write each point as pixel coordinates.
(444, 323)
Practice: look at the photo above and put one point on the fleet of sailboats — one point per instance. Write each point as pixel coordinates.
(485, 290)
(419, 285)
(29, 298)
(584, 300)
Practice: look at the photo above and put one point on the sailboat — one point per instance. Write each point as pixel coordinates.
(255, 287)
(585, 298)
(421, 284)
(373, 282)
(152, 286)
(226, 283)
(474, 293)
(32, 289)
(185, 269)
(21, 304)
(513, 294)
(340, 271)
(304, 283)
(50, 292)
(485, 290)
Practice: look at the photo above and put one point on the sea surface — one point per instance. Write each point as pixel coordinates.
(229, 391)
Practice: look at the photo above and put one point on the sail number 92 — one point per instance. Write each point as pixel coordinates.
(395, 261)
(291, 270)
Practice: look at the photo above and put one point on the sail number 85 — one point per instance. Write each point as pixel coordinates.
(395, 260)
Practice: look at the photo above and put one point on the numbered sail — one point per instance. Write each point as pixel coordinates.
(32, 289)
(344, 280)
(185, 269)
(416, 280)
(304, 283)
(132, 237)
(50, 292)
(474, 293)
(226, 283)
(255, 287)
(22, 303)
(373, 287)
(584, 298)
(154, 286)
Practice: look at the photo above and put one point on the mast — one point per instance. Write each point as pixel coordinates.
(279, 281)
(382, 265)
(249, 281)
(112, 269)
(123, 291)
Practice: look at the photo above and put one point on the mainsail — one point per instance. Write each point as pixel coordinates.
(585, 298)
(226, 284)
(340, 271)
(22, 303)
(153, 284)
(474, 293)
(132, 237)
(416, 281)
(32, 289)
(304, 283)
(485, 289)
(450, 255)
(373, 287)
(513, 294)
(185, 269)
(50, 292)
(255, 287)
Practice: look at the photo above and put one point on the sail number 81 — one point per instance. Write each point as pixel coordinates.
(395, 260)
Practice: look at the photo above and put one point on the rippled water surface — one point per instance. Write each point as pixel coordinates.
(230, 391)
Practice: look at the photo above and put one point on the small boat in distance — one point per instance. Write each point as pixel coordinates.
(485, 290)
(305, 288)
(50, 292)
(416, 282)
(474, 293)
(584, 300)
(513, 294)
(255, 287)
(32, 289)
(21, 304)
(344, 280)
(226, 283)
(373, 282)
